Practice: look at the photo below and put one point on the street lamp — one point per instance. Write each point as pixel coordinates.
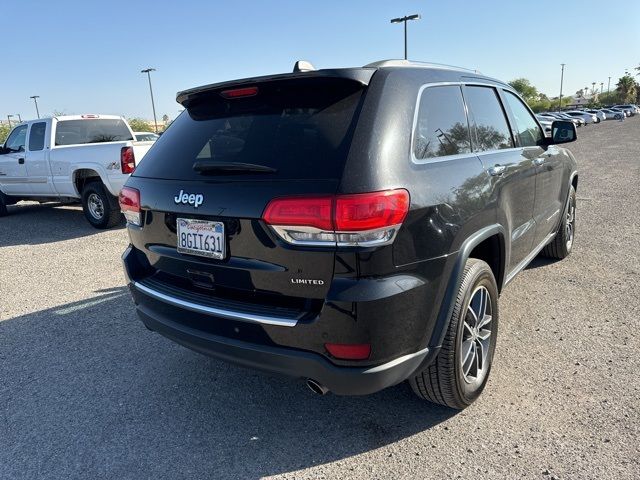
(19, 117)
(153, 106)
(9, 119)
(404, 20)
(561, 81)
(35, 100)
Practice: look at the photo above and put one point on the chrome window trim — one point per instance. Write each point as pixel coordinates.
(472, 153)
(229, 314)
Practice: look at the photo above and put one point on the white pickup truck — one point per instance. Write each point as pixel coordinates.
(84, 158)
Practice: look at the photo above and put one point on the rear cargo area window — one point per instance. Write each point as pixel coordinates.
(301, 129)
(74, 132)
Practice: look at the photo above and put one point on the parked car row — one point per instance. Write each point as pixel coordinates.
(587, 116)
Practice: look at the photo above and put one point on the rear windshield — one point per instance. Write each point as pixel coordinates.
(74, 132)
(302, 129)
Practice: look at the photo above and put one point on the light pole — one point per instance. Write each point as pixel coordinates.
(153, 105)
(561, 81)
(35, 100)
(404, 20)
(19, 117)
(9, 120)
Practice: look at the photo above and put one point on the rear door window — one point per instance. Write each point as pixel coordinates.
(74, 132)
(441, 124)
(36, 136)
(489, 127)
(302, 129)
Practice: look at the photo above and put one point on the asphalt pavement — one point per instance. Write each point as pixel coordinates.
(86, 392)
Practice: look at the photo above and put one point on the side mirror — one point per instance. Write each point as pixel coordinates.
(3, 151)
(562, 132)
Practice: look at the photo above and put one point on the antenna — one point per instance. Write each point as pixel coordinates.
(303, 66)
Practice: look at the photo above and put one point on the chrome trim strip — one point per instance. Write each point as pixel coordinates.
(195, 307)
(396, 361)
(283, 231)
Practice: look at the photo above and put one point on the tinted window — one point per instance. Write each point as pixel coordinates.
(146, 137)
(489, 127)
(73, 132)
(17, 139)
(441, 127)
(301, 128)
(36, 136)
(529, 133)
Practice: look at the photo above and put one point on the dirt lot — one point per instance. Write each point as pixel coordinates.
(87, 392)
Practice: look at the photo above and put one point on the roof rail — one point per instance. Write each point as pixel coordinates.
(410, 63)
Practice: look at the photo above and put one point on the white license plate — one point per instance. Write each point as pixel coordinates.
(201, 237)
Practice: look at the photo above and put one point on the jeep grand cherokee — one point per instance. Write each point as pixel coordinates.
(353, 227)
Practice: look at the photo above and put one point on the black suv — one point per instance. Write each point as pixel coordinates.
(353, 227)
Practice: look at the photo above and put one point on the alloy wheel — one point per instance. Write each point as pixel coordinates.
(476, 336)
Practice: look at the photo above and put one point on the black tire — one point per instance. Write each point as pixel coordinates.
(562, 244)
(444, 381)
(3, 205)
(100, 208)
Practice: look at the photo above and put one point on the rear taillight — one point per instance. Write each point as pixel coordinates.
(127, 160)
(129, 200)
(362, 219)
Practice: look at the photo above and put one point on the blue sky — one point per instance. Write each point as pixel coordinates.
(85, 56)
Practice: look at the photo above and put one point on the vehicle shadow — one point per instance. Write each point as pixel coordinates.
(88, 392)
(541, 261)
(30, 223)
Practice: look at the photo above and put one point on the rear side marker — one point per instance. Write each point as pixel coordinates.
(345, 351)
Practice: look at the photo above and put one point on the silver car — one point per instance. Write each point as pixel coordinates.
(598, 113)
(587, 117)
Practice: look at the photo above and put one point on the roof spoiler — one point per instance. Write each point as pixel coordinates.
(358, 75)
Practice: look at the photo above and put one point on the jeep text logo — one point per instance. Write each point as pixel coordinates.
(194, 199)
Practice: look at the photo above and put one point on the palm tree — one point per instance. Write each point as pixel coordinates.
(627, 89)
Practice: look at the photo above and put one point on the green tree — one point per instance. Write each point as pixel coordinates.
(4, 132)
(525, 89)
(140, 125)
(627, 89)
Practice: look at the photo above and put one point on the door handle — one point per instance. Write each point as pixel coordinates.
(538, 161)
(21, 161)
(497, 170)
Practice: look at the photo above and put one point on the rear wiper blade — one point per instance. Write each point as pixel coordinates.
(231, 167)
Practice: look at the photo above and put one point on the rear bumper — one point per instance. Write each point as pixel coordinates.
(249, 342)
(294, 363)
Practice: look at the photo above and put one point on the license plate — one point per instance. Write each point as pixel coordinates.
(201, 237)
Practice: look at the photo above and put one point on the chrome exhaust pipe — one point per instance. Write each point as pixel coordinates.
(316, 387)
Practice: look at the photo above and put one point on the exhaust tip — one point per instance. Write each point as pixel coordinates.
(316, 387)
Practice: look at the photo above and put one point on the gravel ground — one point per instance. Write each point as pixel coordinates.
(87, 392)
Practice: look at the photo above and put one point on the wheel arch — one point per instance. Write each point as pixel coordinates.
(486, 244)
(84, 174)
